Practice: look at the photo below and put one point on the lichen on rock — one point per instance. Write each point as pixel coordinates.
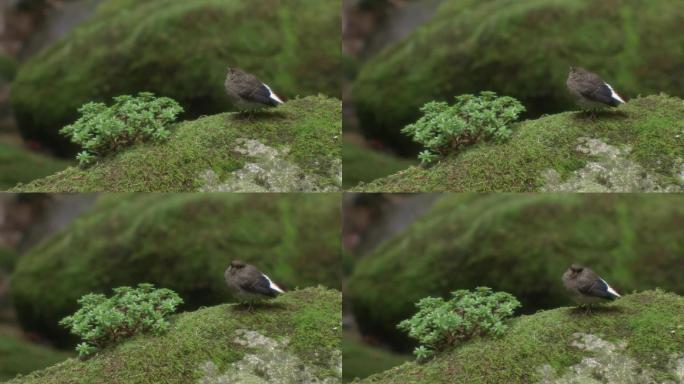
(268, 363)
(610, 170)
(268, 170)
(606, 363)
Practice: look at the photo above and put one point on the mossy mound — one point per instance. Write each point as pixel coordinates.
(637, 339)
(637, 148)
(519, 244)
(178, 49)
(293, 148)
(296, 338)
(521, 49)
(179, 241)
(363, 164)
(18, 165)
(21, 357)
(362, 360)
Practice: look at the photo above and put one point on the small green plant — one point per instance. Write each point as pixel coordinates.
(444, 128)
(440, 324)
(103, 321)
(103, 130)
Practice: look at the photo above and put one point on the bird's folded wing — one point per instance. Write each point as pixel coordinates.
(598, 289)
(260, 286)
(259, 94)
(602, 94)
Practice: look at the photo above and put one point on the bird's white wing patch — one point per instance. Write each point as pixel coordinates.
(273, 285)
(610, 289)
(276, 98)
(614, 95)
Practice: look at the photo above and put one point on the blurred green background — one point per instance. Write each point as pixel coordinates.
(401, 54)
(59, 54)
(55, 248)
(400, 248)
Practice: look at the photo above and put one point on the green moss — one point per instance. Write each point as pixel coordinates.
(178, 49)
(549, 347)
(210, 335)
(363, 164)
(21, 357)
(519, 244)
(360, 360)
(295, 147)
(8, 69)
(18, 165)
(521, 49)
(7, 259)
(179, 241)
(644, 152)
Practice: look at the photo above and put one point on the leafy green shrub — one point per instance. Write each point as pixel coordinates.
(103, 130)
(440, 324)
(444, 128)
(103, 321)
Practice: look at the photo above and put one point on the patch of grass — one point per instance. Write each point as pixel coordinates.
(19, 165)
(183, 242)
(209, 334)
(310, 127)
(361, 360)
(364, 164)
(544, 339)
(651, 126)
(22, 357)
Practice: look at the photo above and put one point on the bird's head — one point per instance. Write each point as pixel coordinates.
(575, 270)
(236, 265)
(235, 71)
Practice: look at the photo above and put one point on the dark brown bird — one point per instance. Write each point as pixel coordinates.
(247, 93)
(591, 92)
(248, 285)
(586, 287)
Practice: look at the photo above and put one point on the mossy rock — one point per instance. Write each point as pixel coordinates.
(179, 49)
(21, 357)
(362, 164)
(636, 339)
(362, 360)
(522, 49)
(19, 165)
(519, 244)
(293, 148)
(179, 241)
(294, 339)
(637, 148)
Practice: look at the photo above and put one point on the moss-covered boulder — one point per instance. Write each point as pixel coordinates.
(637, 339)
(19, 356)
(293, 148)
(294, 339)
(521, 49)
(19, 165)
(519, 244)
(362, 164)
(178, 49)
(636, 148)
(179, 241)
